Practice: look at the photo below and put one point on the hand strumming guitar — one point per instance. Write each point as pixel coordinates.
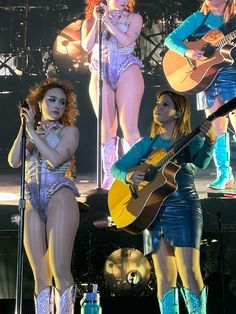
(135, 177)
(194, 54)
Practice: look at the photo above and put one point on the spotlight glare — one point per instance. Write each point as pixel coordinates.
(8, 196)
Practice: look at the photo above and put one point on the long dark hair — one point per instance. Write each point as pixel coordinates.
(229, 10)
(182, 105)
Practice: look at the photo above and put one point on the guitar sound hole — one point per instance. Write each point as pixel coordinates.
(208, 50)
(150, 173)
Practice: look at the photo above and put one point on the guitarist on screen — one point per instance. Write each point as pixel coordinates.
(173, 239)
(221, 15)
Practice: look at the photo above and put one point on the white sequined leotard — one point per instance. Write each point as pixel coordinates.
(42, 181)
(115, 58)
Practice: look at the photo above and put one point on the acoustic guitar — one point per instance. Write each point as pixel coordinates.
(134, 208)
(193, 76)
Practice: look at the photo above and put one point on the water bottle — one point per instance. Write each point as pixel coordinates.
(90, 303)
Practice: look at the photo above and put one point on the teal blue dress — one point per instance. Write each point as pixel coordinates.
(180, 218)
(224, 83)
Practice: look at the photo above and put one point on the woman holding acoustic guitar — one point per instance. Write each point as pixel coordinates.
(173, 239)
(214, 14)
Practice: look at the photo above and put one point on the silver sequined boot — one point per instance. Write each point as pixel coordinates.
(67, 303)
(56, 298)
(44, 303)
(125, 145)
(109, 156)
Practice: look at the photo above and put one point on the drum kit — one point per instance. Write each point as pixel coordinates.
(40, 40)
(46, 40)
(118, 267)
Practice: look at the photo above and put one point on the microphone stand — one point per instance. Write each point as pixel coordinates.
(19, 274)
(99, 119)
(97, 198)
(221, 262)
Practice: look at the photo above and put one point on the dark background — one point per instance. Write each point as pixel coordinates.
(45, 20)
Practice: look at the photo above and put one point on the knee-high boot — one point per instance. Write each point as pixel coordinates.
(221, 156)
(109, 156)
(44, 303)
(56, 298)
(195, 304)
(125, 146)
(67, 302)
(170, 302)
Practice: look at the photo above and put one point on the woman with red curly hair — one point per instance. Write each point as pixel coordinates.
(51, 210)
(123, 84)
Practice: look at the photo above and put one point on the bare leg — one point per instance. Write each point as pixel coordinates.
(36, 248)
(193, 290)
(188, 264)
(129, 94)
(220, 123)
(62, 225)
(165, 268)
(109, 127)
(109, 113)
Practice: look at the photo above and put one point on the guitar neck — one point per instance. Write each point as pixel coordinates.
(225, 40)
(176, 147)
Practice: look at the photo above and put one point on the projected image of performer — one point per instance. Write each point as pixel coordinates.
(51, 211)
(173, 239)
(123, 84)
(214, 14)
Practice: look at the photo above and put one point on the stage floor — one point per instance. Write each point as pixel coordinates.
(10, 185)
(104, 243)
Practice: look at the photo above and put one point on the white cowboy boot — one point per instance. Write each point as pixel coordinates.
(44, 303)
(56, 298)
(109, 157)
(67, 302)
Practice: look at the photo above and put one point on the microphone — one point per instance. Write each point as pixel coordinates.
(100, 10)
(23, 104)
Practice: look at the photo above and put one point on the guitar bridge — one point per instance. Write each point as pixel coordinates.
(133, 191)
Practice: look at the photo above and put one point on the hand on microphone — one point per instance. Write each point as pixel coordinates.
(27, 115)
(100, 11)
(23, 104)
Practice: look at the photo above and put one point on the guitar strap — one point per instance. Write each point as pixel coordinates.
(144, 157)
(204, 20)
(201, 30)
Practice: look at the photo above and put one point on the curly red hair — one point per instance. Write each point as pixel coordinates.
(37, 93)
(93, 3)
